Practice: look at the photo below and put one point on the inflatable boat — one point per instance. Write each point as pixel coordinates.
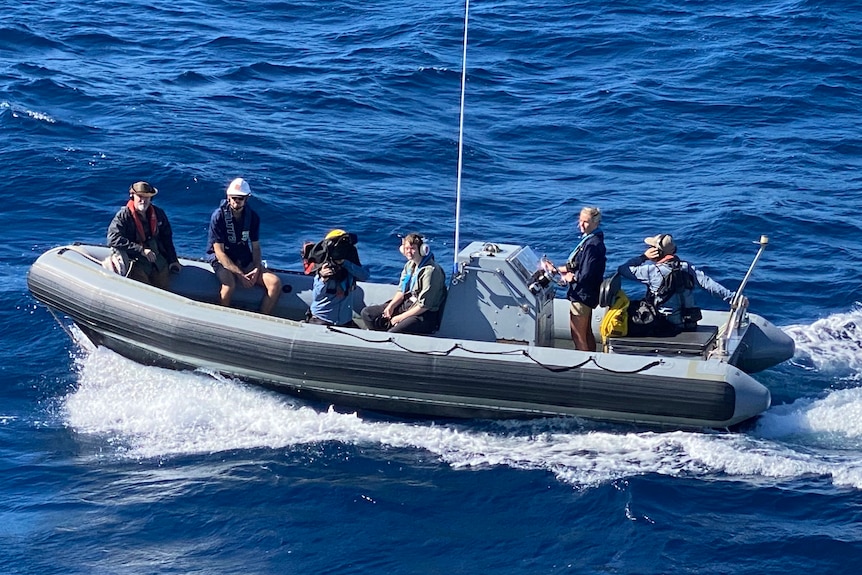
(503, 349)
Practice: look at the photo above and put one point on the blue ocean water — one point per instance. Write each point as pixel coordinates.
(714, 121)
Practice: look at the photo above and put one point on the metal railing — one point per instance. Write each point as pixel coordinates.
(738, 306)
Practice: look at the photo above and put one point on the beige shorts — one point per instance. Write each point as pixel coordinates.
(579, 309)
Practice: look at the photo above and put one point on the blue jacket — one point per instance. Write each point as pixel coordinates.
(651, 274)
(588, 265)
(332, 299)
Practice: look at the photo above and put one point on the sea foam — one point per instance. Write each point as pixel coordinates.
(145, 412)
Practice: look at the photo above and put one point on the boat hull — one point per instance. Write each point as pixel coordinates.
(392, 373)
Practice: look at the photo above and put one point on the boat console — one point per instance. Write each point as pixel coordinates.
(499, 293)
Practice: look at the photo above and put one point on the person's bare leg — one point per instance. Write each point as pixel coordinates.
(272, 283)
(228, 283)
(582, 336)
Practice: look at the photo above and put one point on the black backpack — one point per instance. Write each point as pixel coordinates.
(676, 282)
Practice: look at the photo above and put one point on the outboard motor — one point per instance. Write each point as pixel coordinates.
(501, 293)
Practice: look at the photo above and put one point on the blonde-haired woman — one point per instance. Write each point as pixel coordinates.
(584, 271)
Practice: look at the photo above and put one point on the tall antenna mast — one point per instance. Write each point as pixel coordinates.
(461, 142)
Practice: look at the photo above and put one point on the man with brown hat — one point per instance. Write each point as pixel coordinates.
(670, 285)
(142, 232)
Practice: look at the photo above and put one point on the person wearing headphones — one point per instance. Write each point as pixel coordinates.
(417, 305)
(142, 231)
(670, 284)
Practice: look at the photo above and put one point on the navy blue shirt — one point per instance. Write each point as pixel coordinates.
(246, 230)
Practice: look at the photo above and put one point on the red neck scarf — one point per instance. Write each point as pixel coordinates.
(139, 226)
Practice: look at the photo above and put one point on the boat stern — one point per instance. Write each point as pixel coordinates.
(752, 397)
(762, 346)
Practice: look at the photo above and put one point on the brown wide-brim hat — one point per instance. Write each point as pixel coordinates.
(143, 188)
(664, 243)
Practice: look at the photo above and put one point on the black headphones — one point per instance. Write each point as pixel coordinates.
(658, 245)
(423, 248)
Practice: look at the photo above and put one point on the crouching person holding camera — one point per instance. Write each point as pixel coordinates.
(335, 278)
(417, 305)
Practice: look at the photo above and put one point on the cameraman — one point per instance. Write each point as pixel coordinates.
(335, 280)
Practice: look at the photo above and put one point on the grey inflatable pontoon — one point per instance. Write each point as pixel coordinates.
(503, 349)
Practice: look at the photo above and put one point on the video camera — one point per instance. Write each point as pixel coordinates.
(330, 250)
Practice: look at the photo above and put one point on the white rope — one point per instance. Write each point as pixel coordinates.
(460, 142)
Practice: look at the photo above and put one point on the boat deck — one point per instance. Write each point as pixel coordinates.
(197, 282)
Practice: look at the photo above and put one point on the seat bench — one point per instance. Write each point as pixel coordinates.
(687, 343)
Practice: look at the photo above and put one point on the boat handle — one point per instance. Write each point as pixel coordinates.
(734, 320)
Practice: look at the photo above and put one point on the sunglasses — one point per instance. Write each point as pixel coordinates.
(239, 198)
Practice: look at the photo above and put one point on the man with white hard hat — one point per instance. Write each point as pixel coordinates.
(233, 248)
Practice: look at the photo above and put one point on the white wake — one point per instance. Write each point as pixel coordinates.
(145, 412)
(833, 343)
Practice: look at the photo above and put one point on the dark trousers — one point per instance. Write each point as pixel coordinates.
(313, 319)
(427, 322)
(147, 273)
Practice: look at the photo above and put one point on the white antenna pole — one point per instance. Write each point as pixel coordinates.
(461, 141)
